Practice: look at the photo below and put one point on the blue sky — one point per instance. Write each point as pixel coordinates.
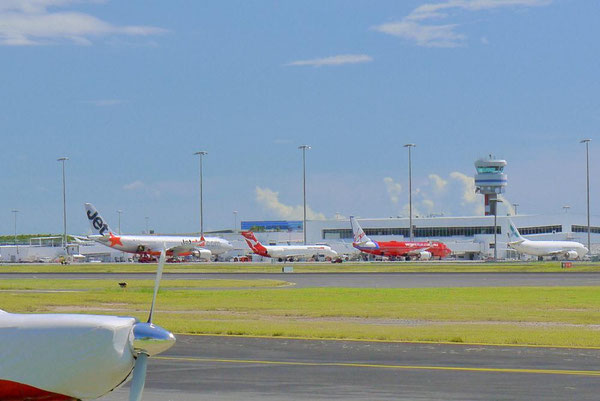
(130, 90)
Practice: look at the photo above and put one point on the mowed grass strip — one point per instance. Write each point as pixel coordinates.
(478, 333)
(86, 284)
(348, 267)
(508, 315)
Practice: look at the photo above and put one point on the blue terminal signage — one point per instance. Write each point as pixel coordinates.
(272, 225)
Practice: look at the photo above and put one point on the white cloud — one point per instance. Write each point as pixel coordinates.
(439, 195)
(134, 186)
(424, 35)
(438, 183)
(269, 199)
(419, 28)
(394, 189)
(29, 22)
(510, 209)
(333, 60)
(468, 195)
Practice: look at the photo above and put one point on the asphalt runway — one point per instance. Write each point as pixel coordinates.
(239, 368)
(358, 280)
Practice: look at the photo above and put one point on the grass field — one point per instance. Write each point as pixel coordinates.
(565, 316)
(441, 267)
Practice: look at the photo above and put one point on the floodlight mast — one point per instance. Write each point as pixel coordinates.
(15, 211)
(63, 160)
(201, 153)
(119, 212)
(411, 234)
(304, 149)
(587, 166)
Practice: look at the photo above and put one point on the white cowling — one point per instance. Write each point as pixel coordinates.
(202, 253)
(571, 255)
(424, 255)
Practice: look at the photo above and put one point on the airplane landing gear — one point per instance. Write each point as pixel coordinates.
(145, 257)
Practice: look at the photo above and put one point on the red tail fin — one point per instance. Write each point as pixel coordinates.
(253, 243)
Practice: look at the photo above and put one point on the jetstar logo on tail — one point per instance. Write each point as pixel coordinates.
(97, 222)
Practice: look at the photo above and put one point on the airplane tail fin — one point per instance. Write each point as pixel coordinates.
(252, 242)
(513, 233)
(98, 224)
(357, 231)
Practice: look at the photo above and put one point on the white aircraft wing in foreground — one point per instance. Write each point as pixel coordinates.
(64, 357)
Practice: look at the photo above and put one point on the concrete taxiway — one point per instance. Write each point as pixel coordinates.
(358, 280)
(241, 368)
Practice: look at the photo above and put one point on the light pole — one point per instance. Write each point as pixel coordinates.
(147, 218)
(201, 154)
(409, 146)
(119, 212)
(587, 165)
(15, 211)
(235, 212)
(63, 160)
(514, 205)
(304, 148)
(566, 208)
(495, 205)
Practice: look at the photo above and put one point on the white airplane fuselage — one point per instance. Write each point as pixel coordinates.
(154, 243)
(288, 251)
(549, 248)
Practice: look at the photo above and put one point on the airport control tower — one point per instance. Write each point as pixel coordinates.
(490, 181)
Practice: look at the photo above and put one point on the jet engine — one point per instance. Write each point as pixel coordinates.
(367, 244)
(202, 253)
(571, 255)
(424, 255)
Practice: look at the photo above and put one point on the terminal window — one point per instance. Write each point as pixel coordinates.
(583, 229)
(422, 232)
(540, 230)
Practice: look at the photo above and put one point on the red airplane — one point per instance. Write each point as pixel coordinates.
(393, 249)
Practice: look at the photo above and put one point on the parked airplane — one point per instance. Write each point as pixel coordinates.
(203, 247)
(564, 249)
(284, 252)
(69, 357)
(420, 250)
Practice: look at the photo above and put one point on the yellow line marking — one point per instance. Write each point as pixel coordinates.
(382, 366)
(366, 340)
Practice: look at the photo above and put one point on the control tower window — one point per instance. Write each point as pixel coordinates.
(490, 169)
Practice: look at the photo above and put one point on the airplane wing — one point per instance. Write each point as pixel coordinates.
(558, 252)
(81, 240)
(181, 249)
(186, 249)
(413, 252)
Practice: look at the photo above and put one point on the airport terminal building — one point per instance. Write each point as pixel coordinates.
(469, 237)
